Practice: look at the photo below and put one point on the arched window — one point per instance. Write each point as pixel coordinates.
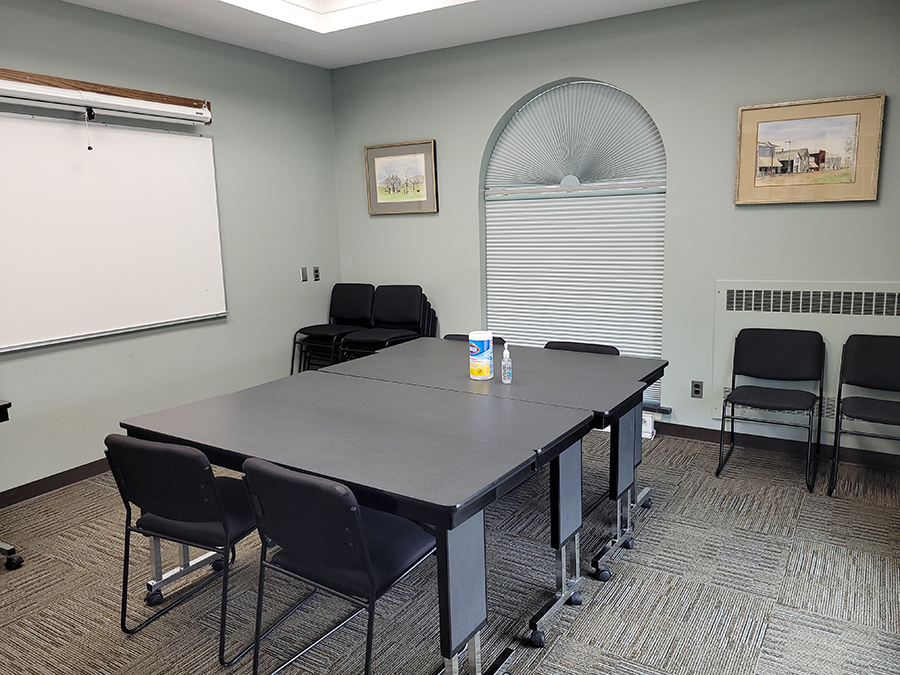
(574, 199)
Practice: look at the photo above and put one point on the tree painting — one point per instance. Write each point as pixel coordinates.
(401, 178)
(806, 151)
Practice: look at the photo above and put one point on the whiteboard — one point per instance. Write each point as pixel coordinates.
(96, 242)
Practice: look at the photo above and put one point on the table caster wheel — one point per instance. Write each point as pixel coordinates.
(14, 562)
(575, 598)
(647, 503)
(154, 598)
(537, 638)
(218, 565)
(603, 573)
(628, 543)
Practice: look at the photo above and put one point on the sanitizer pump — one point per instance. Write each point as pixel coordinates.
(506, 366)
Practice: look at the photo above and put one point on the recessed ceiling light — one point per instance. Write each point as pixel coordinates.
(328, 16)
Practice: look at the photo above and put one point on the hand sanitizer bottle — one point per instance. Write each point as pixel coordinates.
(506, 366)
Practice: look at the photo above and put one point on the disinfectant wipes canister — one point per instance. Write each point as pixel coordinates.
(481, 355)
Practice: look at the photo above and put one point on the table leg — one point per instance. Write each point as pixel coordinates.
(161, 579)
(624, 456)
(462, 592)
(565, 523)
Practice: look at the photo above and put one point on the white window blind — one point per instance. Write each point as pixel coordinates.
(575, 222)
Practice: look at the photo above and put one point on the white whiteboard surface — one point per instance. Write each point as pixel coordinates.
(103, 241)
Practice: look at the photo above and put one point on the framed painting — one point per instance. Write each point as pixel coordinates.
(826, 150)
(401, 178)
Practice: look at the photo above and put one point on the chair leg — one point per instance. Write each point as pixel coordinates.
(259, 608)
(722, 441)
(295, 346)
(810, 477)
(224, 615)
(722, 456)
(837, 448)
(127, 558)
(370, 634)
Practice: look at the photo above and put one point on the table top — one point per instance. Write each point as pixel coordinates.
(431, 454)
(607, 385)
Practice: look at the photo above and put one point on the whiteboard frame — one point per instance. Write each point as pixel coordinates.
(6, 113)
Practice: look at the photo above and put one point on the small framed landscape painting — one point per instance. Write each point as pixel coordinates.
(401, 178)
(827, 150)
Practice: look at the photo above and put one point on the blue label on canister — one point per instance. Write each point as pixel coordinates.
(481, 355)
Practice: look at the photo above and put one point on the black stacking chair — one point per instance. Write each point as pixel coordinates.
(325, 539)
(181, 501)
(870, 363)
(589, 347)
(397, 314)
(350, 310)
(429, 318)
(781, 355)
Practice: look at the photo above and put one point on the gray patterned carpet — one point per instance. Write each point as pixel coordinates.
(747, 574)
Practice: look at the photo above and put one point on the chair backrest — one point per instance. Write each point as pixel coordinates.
(590, 347)
(315, 521)
(398, 306)
(167, 480)
(872, 361)
(351, 304)
(779, 354)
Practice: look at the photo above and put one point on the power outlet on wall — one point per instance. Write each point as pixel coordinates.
(315, 273)
(696, 389)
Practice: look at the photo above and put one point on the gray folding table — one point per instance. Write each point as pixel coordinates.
(438, 456)
(610, 386)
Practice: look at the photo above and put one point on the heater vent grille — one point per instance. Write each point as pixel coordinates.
(858, 303)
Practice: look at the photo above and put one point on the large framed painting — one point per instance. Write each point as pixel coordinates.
(401, 178)
(826, 150)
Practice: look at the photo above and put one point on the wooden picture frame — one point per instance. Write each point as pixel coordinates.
(401, 178)
(823, 150)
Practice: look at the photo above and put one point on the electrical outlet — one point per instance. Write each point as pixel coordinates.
(315, 273)
(303, 275)
(696, 389)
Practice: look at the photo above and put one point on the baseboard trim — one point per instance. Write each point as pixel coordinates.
(875, 460)
(54, 482)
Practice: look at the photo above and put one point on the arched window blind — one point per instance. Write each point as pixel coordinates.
(575, 222)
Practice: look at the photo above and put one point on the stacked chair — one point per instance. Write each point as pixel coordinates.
(870, 366)
(400, 313)
(362, 320)
(350, 311)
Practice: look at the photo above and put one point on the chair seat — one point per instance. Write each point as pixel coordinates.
(379, 336)
(871, 410)
(328, 330)
(395, 544)
(238, 515)
(767, 398)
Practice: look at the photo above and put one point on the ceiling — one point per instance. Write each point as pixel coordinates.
(449, 26)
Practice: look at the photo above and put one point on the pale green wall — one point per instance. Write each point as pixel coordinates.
(272, 132)
(691, 67)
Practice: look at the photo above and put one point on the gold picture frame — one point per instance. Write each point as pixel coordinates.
(401, 178)
(823, 150)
